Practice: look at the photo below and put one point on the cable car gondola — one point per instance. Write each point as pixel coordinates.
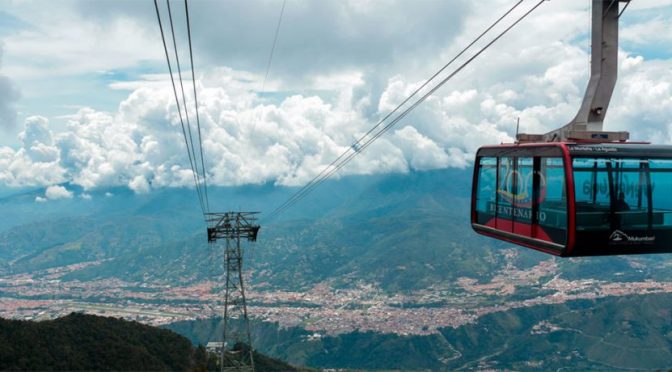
(578, 190)
(572, 199)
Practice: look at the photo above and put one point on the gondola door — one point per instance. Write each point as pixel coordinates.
(520, 196)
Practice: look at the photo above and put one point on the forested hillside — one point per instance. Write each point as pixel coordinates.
(617, 333)
(88, 342)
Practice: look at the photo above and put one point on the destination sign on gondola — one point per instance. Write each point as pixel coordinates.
(520, 214)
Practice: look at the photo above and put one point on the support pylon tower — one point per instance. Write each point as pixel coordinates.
(234, 227)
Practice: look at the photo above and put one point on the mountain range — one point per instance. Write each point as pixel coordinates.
(401, 232)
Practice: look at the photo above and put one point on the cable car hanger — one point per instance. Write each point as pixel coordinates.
(587, 125)
(579, 190)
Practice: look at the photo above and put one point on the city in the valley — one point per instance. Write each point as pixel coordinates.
(321, 308)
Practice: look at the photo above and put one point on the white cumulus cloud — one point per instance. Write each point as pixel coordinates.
(140, 185)
(309, 116)
(56, 192)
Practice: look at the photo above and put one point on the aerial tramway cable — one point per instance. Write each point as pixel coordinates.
(184, 102)
(263, 85)
(357, 147)
(275, 41)
(192, 160)
(198, 118)
(270, 56)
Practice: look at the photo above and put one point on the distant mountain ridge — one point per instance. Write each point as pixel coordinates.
(130, 229)
(402, 231)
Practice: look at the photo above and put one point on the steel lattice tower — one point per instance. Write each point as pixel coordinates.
(234, 227)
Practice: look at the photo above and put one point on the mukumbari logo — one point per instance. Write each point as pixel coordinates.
(619, 236)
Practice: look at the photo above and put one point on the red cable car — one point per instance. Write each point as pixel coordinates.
(578, 190)
(571, 199)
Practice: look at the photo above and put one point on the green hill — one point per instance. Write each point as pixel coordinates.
(617, 333)
(88, 342)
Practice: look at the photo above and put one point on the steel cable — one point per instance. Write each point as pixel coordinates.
(177, 102)
(184, 101)
(198, 118)
(316, 181)
(356, 145)
(275, 41)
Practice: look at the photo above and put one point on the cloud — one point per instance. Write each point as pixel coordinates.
(248, 140)
(335, 75)
(643, 105)
(36, 162)
(68, 44)
(37, 140)
(9, 95)
(424, 153)
(316, 37)
(56, 192)
(650, 4)
(654, 31)
(139, 185)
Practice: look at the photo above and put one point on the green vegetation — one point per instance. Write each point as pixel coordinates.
(358, 350)
(612, 333)
(87, 342)
(617, 333)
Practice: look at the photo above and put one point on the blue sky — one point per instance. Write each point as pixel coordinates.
(85, 98)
